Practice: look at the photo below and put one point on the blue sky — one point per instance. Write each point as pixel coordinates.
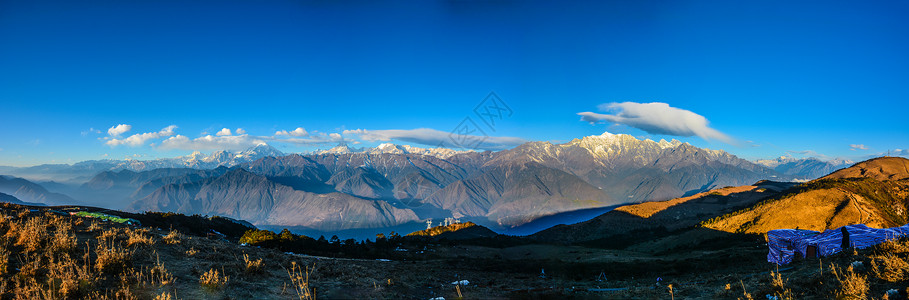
(771, 78)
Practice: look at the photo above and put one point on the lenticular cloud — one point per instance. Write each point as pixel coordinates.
(656, 118)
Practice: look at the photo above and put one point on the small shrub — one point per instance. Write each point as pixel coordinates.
(192, 251)
(895, 246)
(173, 237)
(255, 236)
(851, 284)
(112, 258)
(31, 234)
(109, 234)
(252, 266)
(299, 279)
(165, 296)
(158, 275)
(138, 237)
(889, 267)
(62, 242)
(94, 226)
(213, 280)
(779, 286)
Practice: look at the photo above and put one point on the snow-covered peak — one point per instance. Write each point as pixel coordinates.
(196, 155)
(387, 148)
(604, 140)
(262, 150)
(339, 149)
(674, 143)
(390, 148)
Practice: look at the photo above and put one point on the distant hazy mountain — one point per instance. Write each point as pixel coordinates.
(79, 173)
(804, 168)
(28, 191)
(118, 189)
(390, 184)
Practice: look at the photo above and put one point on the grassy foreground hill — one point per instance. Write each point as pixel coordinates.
(873, 192)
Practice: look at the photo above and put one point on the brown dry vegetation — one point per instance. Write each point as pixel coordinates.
(46, 255)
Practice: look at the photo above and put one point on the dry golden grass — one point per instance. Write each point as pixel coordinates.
(4, 261)
(49, 256)
(173, 237)
(30, 234)
(213, 280)
(165, 296)
(94, 226)
(109, 234)
(192, 251)
(299, 279)
(63, 241)
(138, 237)
(895, 246)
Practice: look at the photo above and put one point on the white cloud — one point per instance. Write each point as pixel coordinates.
(223, 132)
(139, 139)
(432, 137)
(210, 142)
(91, 130)
(241, 131)
(657, 118)
(854, 147)
(296, 132)
(116, 131)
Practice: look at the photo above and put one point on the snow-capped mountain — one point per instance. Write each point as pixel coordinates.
(198, 160)
(389, 148)
(390, 184)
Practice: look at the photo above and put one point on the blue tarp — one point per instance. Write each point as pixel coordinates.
(785, 244)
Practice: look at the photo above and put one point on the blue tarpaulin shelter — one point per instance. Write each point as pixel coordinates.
(786, 244)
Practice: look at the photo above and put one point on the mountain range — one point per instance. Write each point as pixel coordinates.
(349, 188)
(343, 189)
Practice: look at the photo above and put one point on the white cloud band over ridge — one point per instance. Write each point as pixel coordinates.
(432, 137)
(657, 118)
(211, 142)
(226, 139)
(139, 139)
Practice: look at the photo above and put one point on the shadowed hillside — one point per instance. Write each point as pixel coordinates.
(634, 223)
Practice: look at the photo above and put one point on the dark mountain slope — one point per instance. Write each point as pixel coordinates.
(244, 195)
